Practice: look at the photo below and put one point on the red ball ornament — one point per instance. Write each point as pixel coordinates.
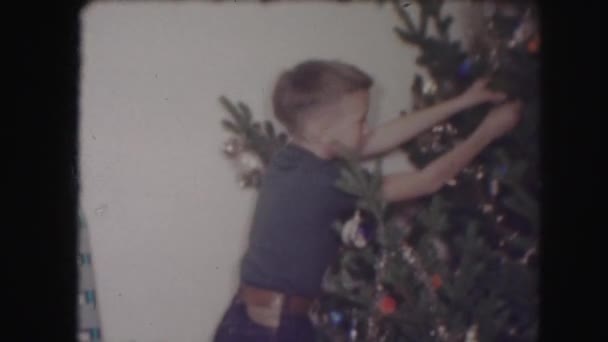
(436, 281)
(387, 305)
(534, 44)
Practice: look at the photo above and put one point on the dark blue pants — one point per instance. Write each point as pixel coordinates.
(237, 327)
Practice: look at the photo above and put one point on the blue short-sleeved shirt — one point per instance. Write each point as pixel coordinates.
(292, 241)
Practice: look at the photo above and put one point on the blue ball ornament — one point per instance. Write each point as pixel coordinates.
(465, 68)
(336, 317)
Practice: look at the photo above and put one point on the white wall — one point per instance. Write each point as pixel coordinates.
(168, 222)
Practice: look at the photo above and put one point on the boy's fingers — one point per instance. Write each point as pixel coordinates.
(483, 81)
(498, 96)
(515, 104)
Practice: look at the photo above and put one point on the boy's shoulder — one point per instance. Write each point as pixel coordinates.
(295, 163)
(291, 157)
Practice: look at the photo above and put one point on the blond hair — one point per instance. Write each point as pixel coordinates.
(314, 83)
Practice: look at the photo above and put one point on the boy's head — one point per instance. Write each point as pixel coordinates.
(324, 102)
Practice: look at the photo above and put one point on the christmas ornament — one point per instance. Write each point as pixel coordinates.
(465, 68)
(487, 208)
(419, 271)
(352, 232)
(494, 187)
(436, 281)
(408, 254)
(353, 333)
(442, 332)
(441, 249)
(534, 44)
(436, 146)
(233, 147)
(372, 330)
(249, 161)
(252, 178)
(526, 257)
(429, 88)
(526, 29)
(438, 129)
(480, 173)
(471, 335)
(387, 305)
(451, 129)
(336, 317)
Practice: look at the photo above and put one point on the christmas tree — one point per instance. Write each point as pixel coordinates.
(460, 265)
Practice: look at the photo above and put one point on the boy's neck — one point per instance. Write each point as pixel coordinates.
(318, 149)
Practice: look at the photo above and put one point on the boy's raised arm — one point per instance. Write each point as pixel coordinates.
(395, 132)
(409, 185)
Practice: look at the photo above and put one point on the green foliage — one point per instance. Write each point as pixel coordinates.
(464, 267)
(259, 137)
(485, 279)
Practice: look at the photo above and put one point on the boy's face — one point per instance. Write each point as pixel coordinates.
(350, 127)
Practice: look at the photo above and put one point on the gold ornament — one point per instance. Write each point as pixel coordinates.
(233, 147)
(429, 88)
(250, 161)
(471, 335)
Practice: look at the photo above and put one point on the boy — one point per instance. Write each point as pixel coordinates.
(323, 105)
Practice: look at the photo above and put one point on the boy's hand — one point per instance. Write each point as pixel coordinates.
(501, 119)
(479, 93)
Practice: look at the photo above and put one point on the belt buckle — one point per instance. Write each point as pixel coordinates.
(268, 316)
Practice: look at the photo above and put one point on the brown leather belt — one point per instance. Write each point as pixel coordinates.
(291, 305)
